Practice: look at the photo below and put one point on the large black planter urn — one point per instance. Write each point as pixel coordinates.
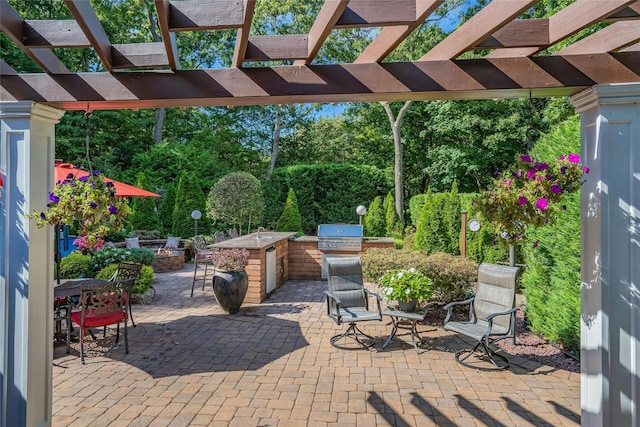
(230, 288)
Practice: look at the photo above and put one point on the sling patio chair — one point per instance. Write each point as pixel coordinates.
(127, 271)
(491, 316)
(348, 301)
(202, 256)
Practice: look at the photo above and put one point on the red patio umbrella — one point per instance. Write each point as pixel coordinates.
(122, 189)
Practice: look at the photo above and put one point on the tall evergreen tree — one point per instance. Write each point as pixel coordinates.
(189, 197)
(145, 215)
(374, 223)
(392, 220)
(290, 220)
(166, 208)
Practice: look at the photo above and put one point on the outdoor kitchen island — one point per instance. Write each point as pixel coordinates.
(268, 258)
(276, 257)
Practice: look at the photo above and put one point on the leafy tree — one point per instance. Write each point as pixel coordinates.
(290, 220)
(189, 197)
(145, 215)
(236, 198)
(374, 220)
(166, 207)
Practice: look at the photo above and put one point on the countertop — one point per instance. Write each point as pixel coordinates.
(251, 241)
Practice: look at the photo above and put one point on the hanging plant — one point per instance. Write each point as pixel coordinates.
(89, 202)
(529, 195)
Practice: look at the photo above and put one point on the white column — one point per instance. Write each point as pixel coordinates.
(27, 138)
(610, 320)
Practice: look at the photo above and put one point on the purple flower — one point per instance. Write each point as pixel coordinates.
(549, 177)
(564, 207)
(573, 158)
(42, 215)
(539, 179)
(494, 242)
(69, 176)
(496, 172)
(112, 210)
(93, 205)
(556, 189)
(522, 200)
(54, 198)
(96, 173)
(531, 173)
(83, 178)
(586, 169)
(563, 170)
(542, 203)
(535, 244)
(526, 158)
(109, 184)
(542, 166)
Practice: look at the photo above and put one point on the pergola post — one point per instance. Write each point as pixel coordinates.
(26, 264)
(610, 312)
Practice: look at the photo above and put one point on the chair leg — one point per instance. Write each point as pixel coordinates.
(354, 333)
(126, 337)
(195, 271)
(68, 332)
(131, 315)
(82, 331)
(486, 353)
(204, 279)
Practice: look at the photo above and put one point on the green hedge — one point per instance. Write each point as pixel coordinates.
(551, 280)
(143, 281)
(327, 193)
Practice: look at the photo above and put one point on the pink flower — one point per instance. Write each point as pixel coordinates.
(539, 179)
(535, 244)
(522, 200)
(531, 173)
(507, 182)
(562, 158)
(542, 203)
(574, 158)
(586, 169)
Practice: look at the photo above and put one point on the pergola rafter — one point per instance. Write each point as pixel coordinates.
(514, 66)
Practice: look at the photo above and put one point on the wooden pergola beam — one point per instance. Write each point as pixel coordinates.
(242, 39)
(201, 15)
(630, 12)
(568, 21)
(377, 13)
(609, 39)
(168, 38)
(12, 24)
(487, 21)
(448, 79)
(139, 55)
(326, 20)
(633, 48)
(390, 37)
(518, 33)
(277, 47)
(64, 33)
(92, 28)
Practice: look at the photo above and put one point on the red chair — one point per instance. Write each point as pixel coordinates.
(101, 305)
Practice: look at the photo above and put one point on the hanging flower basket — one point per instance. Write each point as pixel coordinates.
(88, 202)
(529, 195)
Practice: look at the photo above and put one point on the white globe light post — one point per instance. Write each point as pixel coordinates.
(361, 211)
(196, 215)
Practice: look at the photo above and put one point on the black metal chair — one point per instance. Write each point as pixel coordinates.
(348, 301)
(491, 316)
(127, 271)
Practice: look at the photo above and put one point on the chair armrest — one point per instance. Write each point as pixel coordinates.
(333, 297)
(450, 306)
(490, 317)
(368, 292)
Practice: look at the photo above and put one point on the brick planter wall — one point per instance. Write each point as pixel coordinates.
(165, 263)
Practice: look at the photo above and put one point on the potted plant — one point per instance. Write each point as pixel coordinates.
(407, 287)
(230, 281)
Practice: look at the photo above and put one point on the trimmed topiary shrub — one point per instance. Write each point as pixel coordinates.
(290, 220)
(438, 229)
(144, 215)
(238, 199)
(167, 204)
(143, 281)
(452, 276)
(189, 197)
(75, 265)
(374, 224)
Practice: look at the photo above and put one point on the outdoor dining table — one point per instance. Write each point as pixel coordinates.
(65, 291)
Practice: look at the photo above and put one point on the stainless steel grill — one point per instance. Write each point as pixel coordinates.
(339, 237)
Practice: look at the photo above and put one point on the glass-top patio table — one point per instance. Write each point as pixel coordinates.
(405, 320)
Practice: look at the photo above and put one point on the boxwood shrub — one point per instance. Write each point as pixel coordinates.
(142, 283)
(452, 275)
(75, 265)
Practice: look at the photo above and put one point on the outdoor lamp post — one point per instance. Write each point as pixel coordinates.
(361, 211)
(196, 215)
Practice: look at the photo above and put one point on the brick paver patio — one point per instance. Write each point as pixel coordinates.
(271, 364)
